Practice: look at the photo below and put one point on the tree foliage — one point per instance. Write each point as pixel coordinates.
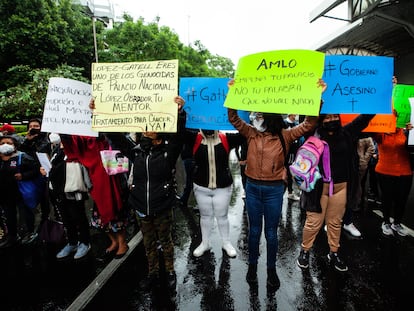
(40, 39)
(26, 100)
(42, 34)
(130, 41)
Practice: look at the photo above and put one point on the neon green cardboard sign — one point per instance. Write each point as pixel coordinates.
(282, 81)
(400, 96)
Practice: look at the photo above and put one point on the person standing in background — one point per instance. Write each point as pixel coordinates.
(291, 122)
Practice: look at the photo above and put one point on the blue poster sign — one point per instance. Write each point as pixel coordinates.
(358, 84)
(204, 103)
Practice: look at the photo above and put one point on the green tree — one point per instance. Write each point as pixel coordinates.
(27, 100)
(131, 41)
(42, 34)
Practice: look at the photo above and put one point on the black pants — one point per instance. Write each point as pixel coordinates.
(394, 191)
(75, 221)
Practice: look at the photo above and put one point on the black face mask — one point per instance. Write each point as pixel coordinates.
(208, 132)
(145, 143)
(332, 126)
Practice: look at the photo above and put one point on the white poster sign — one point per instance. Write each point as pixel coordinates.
(67, 108)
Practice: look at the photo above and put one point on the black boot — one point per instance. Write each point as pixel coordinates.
(272, 278)
(251, 276)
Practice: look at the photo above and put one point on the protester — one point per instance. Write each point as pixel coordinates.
(8, 130)
(394, 175)
(268, 144)
(37, 141)
(291, 122)
(154, 194)
(321, 205)
(213, 183)
(109, 192)
(15, 166)
(69, 184)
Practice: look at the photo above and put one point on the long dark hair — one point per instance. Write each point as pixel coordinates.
(274, 123)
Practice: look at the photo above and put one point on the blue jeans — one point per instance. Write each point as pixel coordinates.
(263, 201)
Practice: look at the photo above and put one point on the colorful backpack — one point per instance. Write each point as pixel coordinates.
(305, 170)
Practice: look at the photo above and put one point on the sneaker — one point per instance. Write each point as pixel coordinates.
(251, 276)
(293, 196)
(29, 237)
(352, 230)
(66, 251)
(82, 250)
(337, 262)
(272, 278)
(171, 279)
(231, 252)
(201, 249)
(386, 229)
(303, 259)
(399, 229)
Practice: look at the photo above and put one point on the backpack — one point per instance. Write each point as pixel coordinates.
(222, 137)
(305, 170)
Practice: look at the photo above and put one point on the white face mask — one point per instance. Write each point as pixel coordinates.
(54, 138)
(258, 124)
(6, 149)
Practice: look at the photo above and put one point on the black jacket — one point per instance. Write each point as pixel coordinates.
(153, 186)
(310, 201)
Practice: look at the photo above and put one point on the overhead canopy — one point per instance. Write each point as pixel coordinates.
(387, 30)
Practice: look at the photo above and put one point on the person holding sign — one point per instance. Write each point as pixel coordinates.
(153, 196)
(325, 206)
(213, 184)
(394, 175)
(268, 144)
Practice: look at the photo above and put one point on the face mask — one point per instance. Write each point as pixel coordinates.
(6, 149)
(332, 126)
(54, 138)
(145, 143)
(208, 132)
(258, 124)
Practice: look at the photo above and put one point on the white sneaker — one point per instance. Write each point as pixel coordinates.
(66, 251)
(82, 250)
(352, 230)
(386, 229)
(231, 252)
(201, 249)
(399, 229)
(293, 196)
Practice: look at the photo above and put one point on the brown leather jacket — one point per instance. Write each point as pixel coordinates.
(265, 159)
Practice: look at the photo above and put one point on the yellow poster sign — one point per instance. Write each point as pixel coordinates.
(282, 81)
(135, 96)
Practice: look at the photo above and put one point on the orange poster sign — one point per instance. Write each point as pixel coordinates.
(381, 123)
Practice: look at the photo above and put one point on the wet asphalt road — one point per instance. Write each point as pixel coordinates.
(380, 272)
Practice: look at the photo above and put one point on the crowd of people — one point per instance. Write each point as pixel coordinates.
(265, 146)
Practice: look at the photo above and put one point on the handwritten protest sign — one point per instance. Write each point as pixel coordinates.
(66, 108)
(278, 81)
(358, 84)
(381, 123)
(136, 96)
(401, 94)
(204, 99)
(411, 132)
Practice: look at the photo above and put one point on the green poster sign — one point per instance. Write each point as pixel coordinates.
(400, 95)
(278, 81)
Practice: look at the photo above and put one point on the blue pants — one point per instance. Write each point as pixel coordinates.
(263, 201)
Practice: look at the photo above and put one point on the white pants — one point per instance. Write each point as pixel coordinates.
(213, 203)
